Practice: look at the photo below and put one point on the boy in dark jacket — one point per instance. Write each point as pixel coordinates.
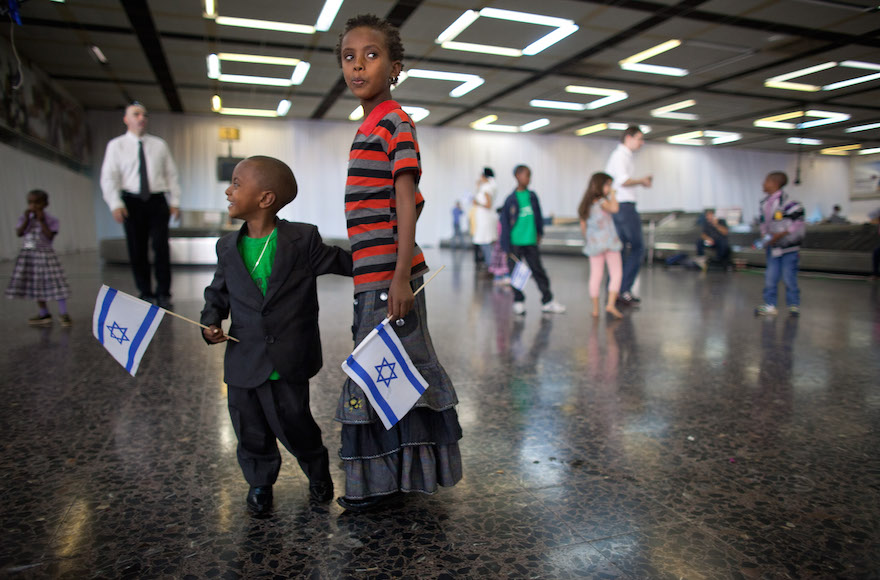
(266, 279)
(522, 227)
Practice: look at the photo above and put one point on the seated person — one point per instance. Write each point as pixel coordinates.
(836, 218)
(714, 235)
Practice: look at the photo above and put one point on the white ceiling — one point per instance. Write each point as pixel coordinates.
(730, 47)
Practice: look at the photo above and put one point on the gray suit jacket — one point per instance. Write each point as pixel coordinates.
(278, 331)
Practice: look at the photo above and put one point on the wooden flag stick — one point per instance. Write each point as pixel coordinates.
(199, 323)
(515, 259)
(429, 279)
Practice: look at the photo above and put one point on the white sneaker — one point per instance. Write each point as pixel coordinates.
(766, 310)
(553, 307)
(519, 308)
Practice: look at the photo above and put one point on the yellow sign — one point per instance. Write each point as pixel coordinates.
(229, 133)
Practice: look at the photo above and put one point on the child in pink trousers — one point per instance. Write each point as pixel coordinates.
(602, 245)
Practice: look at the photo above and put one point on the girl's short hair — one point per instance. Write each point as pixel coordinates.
(388, 30)
(41, 195)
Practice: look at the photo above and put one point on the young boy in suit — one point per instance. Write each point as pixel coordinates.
(266, 279)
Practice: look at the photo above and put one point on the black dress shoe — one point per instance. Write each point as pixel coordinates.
(151, 298)
(259, 499)
(367, 504)
(164, 302)
(321, 491)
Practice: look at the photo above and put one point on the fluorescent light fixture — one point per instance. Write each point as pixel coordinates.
(780, 81)
(459, 26)
(668, 111)
(870, 151)
(775, 122)
(299, 73)
(591, 129)
(858, 128)
(283, 107)
(564, 105)
(610, 95)
(826, 118)
(213, 66)
(416, 113)
(482, 48)
(840, 149)
(486, 124)
(468, 82)
(301, 69)
(258, 59)
(609, 126)
(563, 28)
(327, 15)
(536, 124)
(252, 80)
(357, 114)
(654, 69)
(700, 138)
(265, 25)
(633, 63)
(98, 54)
(856, 80)
(249, 112)
(803, 141)
(210, 9)
(216, 103)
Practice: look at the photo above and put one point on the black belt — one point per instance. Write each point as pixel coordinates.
(132, 194)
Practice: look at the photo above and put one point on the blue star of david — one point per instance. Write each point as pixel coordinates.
(113, 328)
(392, 375)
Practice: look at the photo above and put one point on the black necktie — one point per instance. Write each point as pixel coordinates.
(142, 170)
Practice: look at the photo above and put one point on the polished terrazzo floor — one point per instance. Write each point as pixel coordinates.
(689, 440)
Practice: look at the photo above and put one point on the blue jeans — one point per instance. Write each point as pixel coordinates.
(629, 230)
(786, 267)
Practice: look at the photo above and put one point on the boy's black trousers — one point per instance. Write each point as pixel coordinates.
(276, 410)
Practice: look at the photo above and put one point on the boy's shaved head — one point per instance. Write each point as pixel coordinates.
(274, 175)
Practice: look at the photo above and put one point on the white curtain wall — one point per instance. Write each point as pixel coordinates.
(70, 200)
(687, 178)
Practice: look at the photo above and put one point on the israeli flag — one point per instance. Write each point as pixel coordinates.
(125, 326)
(381, 367)
(520, 275)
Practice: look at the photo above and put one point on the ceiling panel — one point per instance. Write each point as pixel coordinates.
(729, 48)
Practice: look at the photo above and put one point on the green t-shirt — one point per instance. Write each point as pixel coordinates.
(259, 255)
(524, 231)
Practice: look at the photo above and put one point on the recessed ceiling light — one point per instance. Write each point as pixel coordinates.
(634, 62)
(858, 128)
(700, 138)
(840, 149)
(486, 124)
(248, 112)
(324, 22)
(301, 69)
(803, 141)
(283, 107)
(870, 151)
(610, 126)
(468, 81)
(563, 105)
(781, 81)
(563, 28)
(668, 111)
(824, 118)
(327, 15)
(98, 54)
(415, 113)
(216, 103)
(610, 95)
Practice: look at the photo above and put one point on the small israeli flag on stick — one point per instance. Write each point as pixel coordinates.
(125, 326)
(386, 374)
(520, 275)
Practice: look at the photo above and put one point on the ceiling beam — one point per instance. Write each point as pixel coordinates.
(142, 21)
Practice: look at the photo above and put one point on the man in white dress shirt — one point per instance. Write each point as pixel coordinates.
(621, 167)
(140, 185)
